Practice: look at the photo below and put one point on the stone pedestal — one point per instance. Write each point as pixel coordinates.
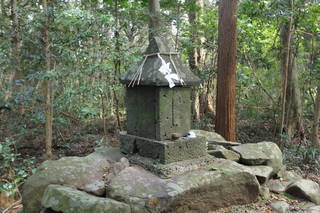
(164, 151)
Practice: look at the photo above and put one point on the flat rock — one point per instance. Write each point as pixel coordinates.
(262, 173)
(313, 209)
(69, 200)
(263, 153)
(305, 189)
(96, 188)
(280, 207)
(172, 169)
(209, 136)
(264, 192)
(199, 190)
(278, 186)
(289, 176)
(221, 152)
(73, 171)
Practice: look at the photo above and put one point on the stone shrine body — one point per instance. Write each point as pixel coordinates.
(158, 99)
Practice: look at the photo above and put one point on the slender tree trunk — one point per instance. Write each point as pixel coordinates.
(154, 20)
(294, 108)
(47, 84)
(196, 54)
(316, 121)
(117, 62)
(15, 73)
(226, 81)
(291, 108)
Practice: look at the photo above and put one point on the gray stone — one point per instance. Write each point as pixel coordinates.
(264, 192)
(199, 190)
(150, 64)
(221, 152)
(262, 173)
(305, 189)
(313, 209)
(280, 207)
(278, 186)
(290, 176)
(172, 169)
(263, 153)
(226, 144)
(164, 151)
(69, 200)
(158, 112)
(209, 136)
(96, 188)
(73, 171)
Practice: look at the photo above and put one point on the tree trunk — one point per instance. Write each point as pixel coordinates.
(47, 84)
(154, 18)
(117, 62)
(226, 82)
(285, 36)
(291, 109)
(316, 118)
(15, 73)
(294, 108)
(196, 54)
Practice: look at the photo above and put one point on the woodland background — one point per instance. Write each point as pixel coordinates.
(60, 61)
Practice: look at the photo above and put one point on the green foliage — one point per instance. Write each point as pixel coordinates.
(14, 169)
(298, 155)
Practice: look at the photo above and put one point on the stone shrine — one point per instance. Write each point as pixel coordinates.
(158, 99)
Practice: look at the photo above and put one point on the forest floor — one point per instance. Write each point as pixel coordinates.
(81, 140)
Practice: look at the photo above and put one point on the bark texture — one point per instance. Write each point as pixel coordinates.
(226, 82)
(154, 20)
(316, 121)
(15, 51)
(291, 109)
(47, 84)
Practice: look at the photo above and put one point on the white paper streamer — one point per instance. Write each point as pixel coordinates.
(167, 72)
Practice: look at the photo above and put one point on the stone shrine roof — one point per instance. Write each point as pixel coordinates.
(160, 66)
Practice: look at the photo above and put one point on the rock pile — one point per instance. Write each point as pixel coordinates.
(104, 181)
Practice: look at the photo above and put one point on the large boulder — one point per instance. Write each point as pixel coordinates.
(220, 152)
(280, 207)
(69, 200)
(263, 173)
(199, 190)
(209, 136)
(263, 153)
(306, 189)
(77, 172)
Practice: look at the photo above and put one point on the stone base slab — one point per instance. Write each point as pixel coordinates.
(163, 152)
(172, 169)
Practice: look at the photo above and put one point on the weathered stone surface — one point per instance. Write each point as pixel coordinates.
(72, 171)
(158, 112)
(278, 186)
(209, 136)
(199, 190)
(305, 189)
(221, 152)
(164, 151)
(280, 207)
(264, 192)
(313, 209)
(69, 200)
(150, 75)
(263, 153)
(172, 169)
(96, 188)
(262, 173)
(289, 176)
